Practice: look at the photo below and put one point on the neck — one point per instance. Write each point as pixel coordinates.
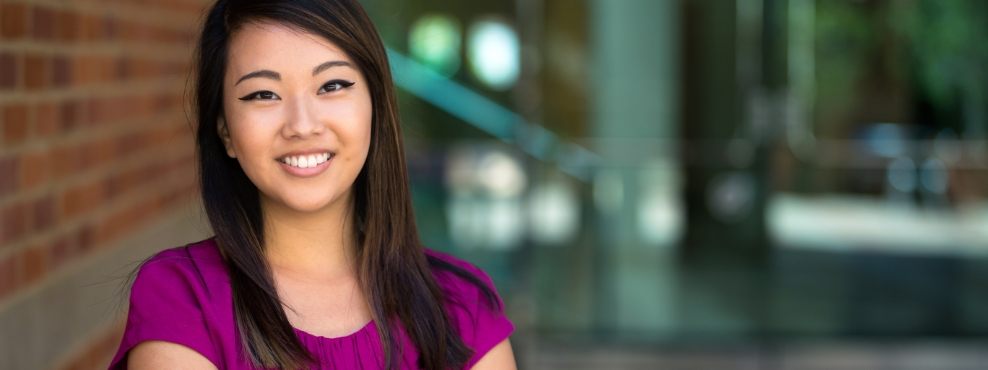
(318, 245)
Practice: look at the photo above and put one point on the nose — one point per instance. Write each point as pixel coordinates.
(301, 120)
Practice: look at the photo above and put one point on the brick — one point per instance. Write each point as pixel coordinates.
(34, 61)
(84, 239)
(46, 119)
(8, 182)
(122, 68)
(86, 158)
(191, 8)
(60, 252)
(130, 31)
(69, 162)
(131, 143)
(80, 199)
(43, 23)
(88, 28)
(67, 27)
(15, 224)
(33, 172)
(71, 115)
(35, 262)
(145, 69)
(99, 153)
(182, 193)
(106, 110)
(8, 276)
(144, 105)
(175, 68)
(166, 101)
(9, 70)
(103, 68)
(126, 181)
(89, 69)
(127, 219)
(15, 123)
(108, 28)
(13, 20)
(42, 214)
(36, 71)
(61, 71)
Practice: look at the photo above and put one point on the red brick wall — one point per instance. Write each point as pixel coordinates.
(95, 140)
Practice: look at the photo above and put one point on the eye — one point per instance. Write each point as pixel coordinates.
(335, 85)
(260, 95)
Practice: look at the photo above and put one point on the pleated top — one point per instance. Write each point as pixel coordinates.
(182, 295)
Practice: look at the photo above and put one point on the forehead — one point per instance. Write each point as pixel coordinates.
(269, 45)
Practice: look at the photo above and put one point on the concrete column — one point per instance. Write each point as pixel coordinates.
(634, 90)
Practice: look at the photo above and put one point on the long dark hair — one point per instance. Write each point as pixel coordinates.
(393, 270)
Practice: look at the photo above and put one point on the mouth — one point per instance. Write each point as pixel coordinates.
(306, 161)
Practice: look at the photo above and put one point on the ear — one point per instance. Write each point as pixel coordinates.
(224, 133)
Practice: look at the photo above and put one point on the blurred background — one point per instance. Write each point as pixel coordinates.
(652, 184)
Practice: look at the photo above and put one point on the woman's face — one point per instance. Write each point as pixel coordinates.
(297, 116)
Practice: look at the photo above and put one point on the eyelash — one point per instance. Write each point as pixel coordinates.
(342, 84)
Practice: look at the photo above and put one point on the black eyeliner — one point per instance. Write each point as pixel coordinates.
(343, 83)
(255, 95)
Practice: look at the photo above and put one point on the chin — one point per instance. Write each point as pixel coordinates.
(308, 205)
(305, 199)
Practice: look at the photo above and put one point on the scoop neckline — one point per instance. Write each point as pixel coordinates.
(366, 327)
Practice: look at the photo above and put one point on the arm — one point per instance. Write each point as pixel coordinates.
(498, 358)
(155, 355)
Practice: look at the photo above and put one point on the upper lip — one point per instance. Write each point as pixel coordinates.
(305, 152)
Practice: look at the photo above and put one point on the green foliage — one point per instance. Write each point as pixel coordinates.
(946, 41)
(845, 40)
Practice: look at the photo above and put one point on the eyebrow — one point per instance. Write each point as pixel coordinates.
(266, 73)
(330, 64)
(262, 73)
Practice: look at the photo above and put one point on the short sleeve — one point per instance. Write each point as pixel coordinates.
(166, 305)
(482, 324)
(490, 326)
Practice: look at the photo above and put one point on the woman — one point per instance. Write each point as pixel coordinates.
(316, 262)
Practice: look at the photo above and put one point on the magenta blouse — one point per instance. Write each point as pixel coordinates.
(182, 295)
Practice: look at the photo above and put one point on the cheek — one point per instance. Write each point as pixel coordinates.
(243, 140)
(354, 132)
(362, 136)
(367, 117)
(251, 133)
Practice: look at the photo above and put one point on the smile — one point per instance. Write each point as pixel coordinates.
(306, 161)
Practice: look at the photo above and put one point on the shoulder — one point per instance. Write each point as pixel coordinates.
(172, 300)
(192, 266)
(472, 303)
(448, 259)
(457, 276)
(201, 254)
(190, 274)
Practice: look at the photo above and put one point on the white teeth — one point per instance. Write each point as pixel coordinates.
(306, 161)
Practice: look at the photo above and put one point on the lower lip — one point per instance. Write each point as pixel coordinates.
(306, 172)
